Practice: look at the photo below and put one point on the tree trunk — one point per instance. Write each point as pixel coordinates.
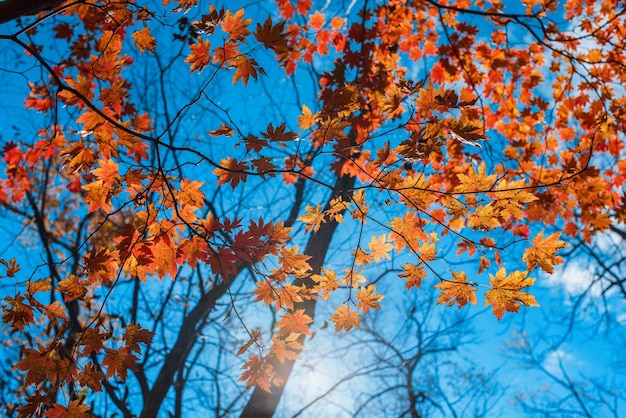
(12, 9)
(263, 404)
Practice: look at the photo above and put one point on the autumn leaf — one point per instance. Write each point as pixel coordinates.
(278, 133)
(286, 348)
(314, 218)
(259, 373)
(380, 248)
(74, 410)
(543, 252)
(231, 172)
(271, 36)
(135, 334)
(345, 319)
(200, 55)
(413, 275)
(118, 362)
(292, 261)
(245, 68)
(294, 322)
(368, 299)
(235, 25)
(307, 119)
(223, 130)
(505, 293)
(144, 40)
(457, 291)
(326, 283)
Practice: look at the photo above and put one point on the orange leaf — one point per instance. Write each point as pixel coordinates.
(231, 171)
(143, 40)
(345, 319)
(74, 410)
(200, 55)
(134, 335)
(457, 291)
(313, 218)
(380, 248)
(235, 25)
(505, 294)
(118, 362)
(543, 252)
(368, 299)
(413, 275)
(297, 322)
(307, 119)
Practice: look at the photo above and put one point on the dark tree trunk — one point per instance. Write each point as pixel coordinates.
(12, 9)
(263, 404)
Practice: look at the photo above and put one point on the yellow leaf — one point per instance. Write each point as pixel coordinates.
(380, 248)
(456, 291)
(505, 294)
(313, 218)
(484, 218)
(345, 319)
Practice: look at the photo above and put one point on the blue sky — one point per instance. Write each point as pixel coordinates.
(587, 354)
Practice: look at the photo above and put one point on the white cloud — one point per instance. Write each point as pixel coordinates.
(575, 278)
(555, 359)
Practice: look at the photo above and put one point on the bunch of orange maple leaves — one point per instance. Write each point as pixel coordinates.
(475, 151)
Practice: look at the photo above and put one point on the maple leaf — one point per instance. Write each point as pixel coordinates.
(505, 294)
(279, 134)
(368, 299)
(74, 410)
(98, 195)
(135, 334)
(457, 291)
(231, 171)
(476, 181)
(107, 172)
(200, 55)
(326, 283)
(413, 275)
(317, 20)
(265, 292)
(286, 348)
(379, 248)
(92, 340)
(12, 267)
(90, 377)
(222, 262)
(272, 36)
(234, 25)
(144, 40)
(296, 322)
(16, 313)
(313, 218)
(345, 319)
(245, 68)
(292, 261)
(223, 130)
(258, 373)
(483, 218)
(190, 194)
(118, 362)
(543, 252)
(307, 119)
(100, 264)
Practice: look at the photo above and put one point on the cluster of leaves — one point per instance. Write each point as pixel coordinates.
(423, 144)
